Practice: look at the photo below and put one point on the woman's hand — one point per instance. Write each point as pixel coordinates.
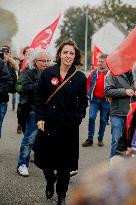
(40, 125)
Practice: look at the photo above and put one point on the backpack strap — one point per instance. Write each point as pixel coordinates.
(58, 88)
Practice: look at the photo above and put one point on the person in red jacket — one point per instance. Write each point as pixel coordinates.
(98, 102)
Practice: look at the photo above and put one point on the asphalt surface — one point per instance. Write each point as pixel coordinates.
(18, 190)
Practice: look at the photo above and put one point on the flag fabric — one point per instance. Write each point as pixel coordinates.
(24, 63)
(123, 58)
(42, 39)
(95, 56)
(129, 117)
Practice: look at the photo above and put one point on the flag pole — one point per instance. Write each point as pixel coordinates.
(86, 35)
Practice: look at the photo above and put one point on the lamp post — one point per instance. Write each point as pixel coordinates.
(86, 35)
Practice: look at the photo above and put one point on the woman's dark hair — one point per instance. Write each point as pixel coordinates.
(77, 60)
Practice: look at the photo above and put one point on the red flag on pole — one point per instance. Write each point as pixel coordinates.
(43, 39)
(24, 63)
(95, 55)
(123, 58)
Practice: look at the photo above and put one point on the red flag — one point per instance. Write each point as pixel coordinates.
(123, 58)
(24, 63)
(95, 56)
(129, 117)
(42, 39)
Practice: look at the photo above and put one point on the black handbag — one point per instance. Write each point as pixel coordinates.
(23, 106)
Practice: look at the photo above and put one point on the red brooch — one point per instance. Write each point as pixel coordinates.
(54, 81)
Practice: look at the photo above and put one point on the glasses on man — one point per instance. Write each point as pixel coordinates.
(44, 61)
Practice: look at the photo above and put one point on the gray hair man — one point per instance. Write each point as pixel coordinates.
(38, 60)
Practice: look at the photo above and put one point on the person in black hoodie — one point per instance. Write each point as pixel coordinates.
(6, 83)
(11, 65)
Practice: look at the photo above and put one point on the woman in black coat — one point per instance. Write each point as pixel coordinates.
(57, 147)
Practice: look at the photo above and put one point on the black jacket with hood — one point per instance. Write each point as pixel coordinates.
(6, 82)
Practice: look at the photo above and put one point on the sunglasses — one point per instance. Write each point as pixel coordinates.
(44, 61)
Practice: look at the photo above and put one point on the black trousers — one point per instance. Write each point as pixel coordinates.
(63, 176)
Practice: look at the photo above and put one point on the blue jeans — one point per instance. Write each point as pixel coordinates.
(117, 127)
(3, 110)
(95, 105)
(27, 142)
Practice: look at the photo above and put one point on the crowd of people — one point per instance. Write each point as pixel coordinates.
(52, 101)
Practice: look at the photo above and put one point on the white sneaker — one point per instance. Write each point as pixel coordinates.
(73, 173)
(23, 170)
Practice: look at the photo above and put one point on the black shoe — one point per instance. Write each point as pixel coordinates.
(100, 143)
(49, 191)
(13, 107)
(107, 123)
(19, 129)
(87, 143)
(61, 201)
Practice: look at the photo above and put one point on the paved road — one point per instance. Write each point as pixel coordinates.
(17, 190)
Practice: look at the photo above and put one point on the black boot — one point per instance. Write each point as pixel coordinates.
(61, 201)
(50, 188)
(49, 191)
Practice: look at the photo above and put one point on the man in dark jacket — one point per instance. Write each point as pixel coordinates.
(120, 90)
(39, 61)
(11, 65)
(5, 85)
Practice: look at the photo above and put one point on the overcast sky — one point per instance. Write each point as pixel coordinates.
(35, 15)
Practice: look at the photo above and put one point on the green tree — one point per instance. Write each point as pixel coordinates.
(116, 11)
(74, 27)
(8, 26)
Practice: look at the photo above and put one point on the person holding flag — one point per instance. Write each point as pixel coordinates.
(120, 89)
(119, 85)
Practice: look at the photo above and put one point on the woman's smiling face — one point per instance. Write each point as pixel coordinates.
(67, 55)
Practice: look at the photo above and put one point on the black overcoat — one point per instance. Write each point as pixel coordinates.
(58, 146)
